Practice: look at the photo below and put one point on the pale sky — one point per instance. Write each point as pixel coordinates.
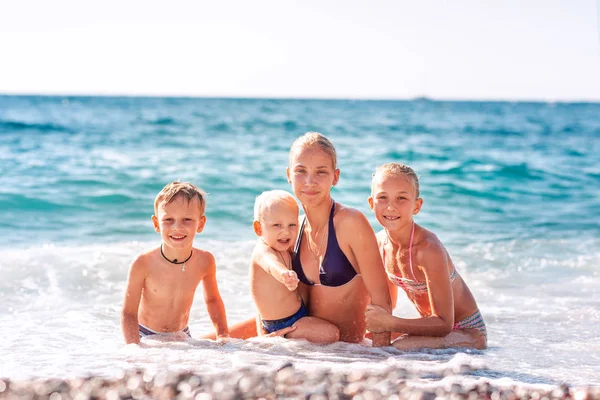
(458, 49)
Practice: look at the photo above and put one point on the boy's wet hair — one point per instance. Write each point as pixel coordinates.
(180, 189)
(266, 199)
(315, 138)
(398, 169)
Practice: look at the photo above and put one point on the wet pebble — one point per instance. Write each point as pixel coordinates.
(283, 383)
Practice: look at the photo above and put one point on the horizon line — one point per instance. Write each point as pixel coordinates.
(304, 98)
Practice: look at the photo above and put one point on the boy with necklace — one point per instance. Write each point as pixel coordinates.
(162, 281)
(272, 281)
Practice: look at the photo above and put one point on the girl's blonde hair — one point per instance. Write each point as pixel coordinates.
(310, 139)
(398, 169)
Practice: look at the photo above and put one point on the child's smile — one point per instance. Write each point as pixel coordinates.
(394, 201)
(178, 238)
(179, 221)
(280, 226)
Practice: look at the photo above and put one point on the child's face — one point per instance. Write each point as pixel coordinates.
(278, 226)
(179, 221)
(312, 175)
(394, 201)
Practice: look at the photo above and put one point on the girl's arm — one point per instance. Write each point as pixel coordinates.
(356, 230)
(433, 262)
(393, 293)
(393, 289)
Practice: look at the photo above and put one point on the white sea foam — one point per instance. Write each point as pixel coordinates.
(59, 317)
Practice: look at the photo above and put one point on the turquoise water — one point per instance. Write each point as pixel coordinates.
(84, 170)
(512, 189)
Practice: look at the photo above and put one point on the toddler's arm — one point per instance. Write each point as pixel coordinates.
(270, 262)
(133, 294)
(213, 300)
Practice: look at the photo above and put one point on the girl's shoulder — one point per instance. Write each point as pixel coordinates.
(350, 221)
(427, 244)
(342, 210)
(345, 214)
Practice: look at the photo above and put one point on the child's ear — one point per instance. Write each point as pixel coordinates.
(418, 205)
(155, 223)
(370, 200)
(287, 173)
(257, 228)
(201, 224)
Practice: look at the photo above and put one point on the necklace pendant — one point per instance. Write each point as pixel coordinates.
(183, 267)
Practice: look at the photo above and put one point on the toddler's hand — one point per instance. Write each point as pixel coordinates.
(290, 280)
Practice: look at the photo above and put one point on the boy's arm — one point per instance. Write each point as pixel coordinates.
(133, 294)
(213, 300)
(363, 244)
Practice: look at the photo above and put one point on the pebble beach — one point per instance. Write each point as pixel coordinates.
(282, 383)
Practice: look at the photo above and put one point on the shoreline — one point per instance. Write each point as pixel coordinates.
(285, 382)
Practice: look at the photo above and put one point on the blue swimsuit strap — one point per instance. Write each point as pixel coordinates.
(296, 264)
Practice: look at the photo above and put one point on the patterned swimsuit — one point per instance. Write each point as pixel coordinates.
(473, 321)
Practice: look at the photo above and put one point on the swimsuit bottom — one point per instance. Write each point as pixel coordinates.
(277, 324)
(145, 331)
(473, 321)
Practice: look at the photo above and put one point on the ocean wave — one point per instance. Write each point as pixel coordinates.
(499, 131)
(454, 167)
(258, 125)
(20, 126)
(464, 192)
(85, 183)
(290, 126)
(10, 202)
(522, 171)
(165, 121)
(221, 127)
(115, 198)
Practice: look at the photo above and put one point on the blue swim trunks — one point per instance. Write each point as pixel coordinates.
(277, 324)
(145, 331)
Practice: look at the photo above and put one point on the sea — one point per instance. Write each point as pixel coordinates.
(512, 189)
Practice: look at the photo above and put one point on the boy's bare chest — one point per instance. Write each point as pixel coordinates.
(172, 280)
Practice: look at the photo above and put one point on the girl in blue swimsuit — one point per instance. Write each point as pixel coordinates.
(336, 256)
(416, 261)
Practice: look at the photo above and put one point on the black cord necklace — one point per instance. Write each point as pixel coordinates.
(175, 260)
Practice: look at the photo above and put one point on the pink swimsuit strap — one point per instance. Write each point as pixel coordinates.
(412, 236)
(413, 285)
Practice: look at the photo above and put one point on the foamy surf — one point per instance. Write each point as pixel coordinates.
(61, 311)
